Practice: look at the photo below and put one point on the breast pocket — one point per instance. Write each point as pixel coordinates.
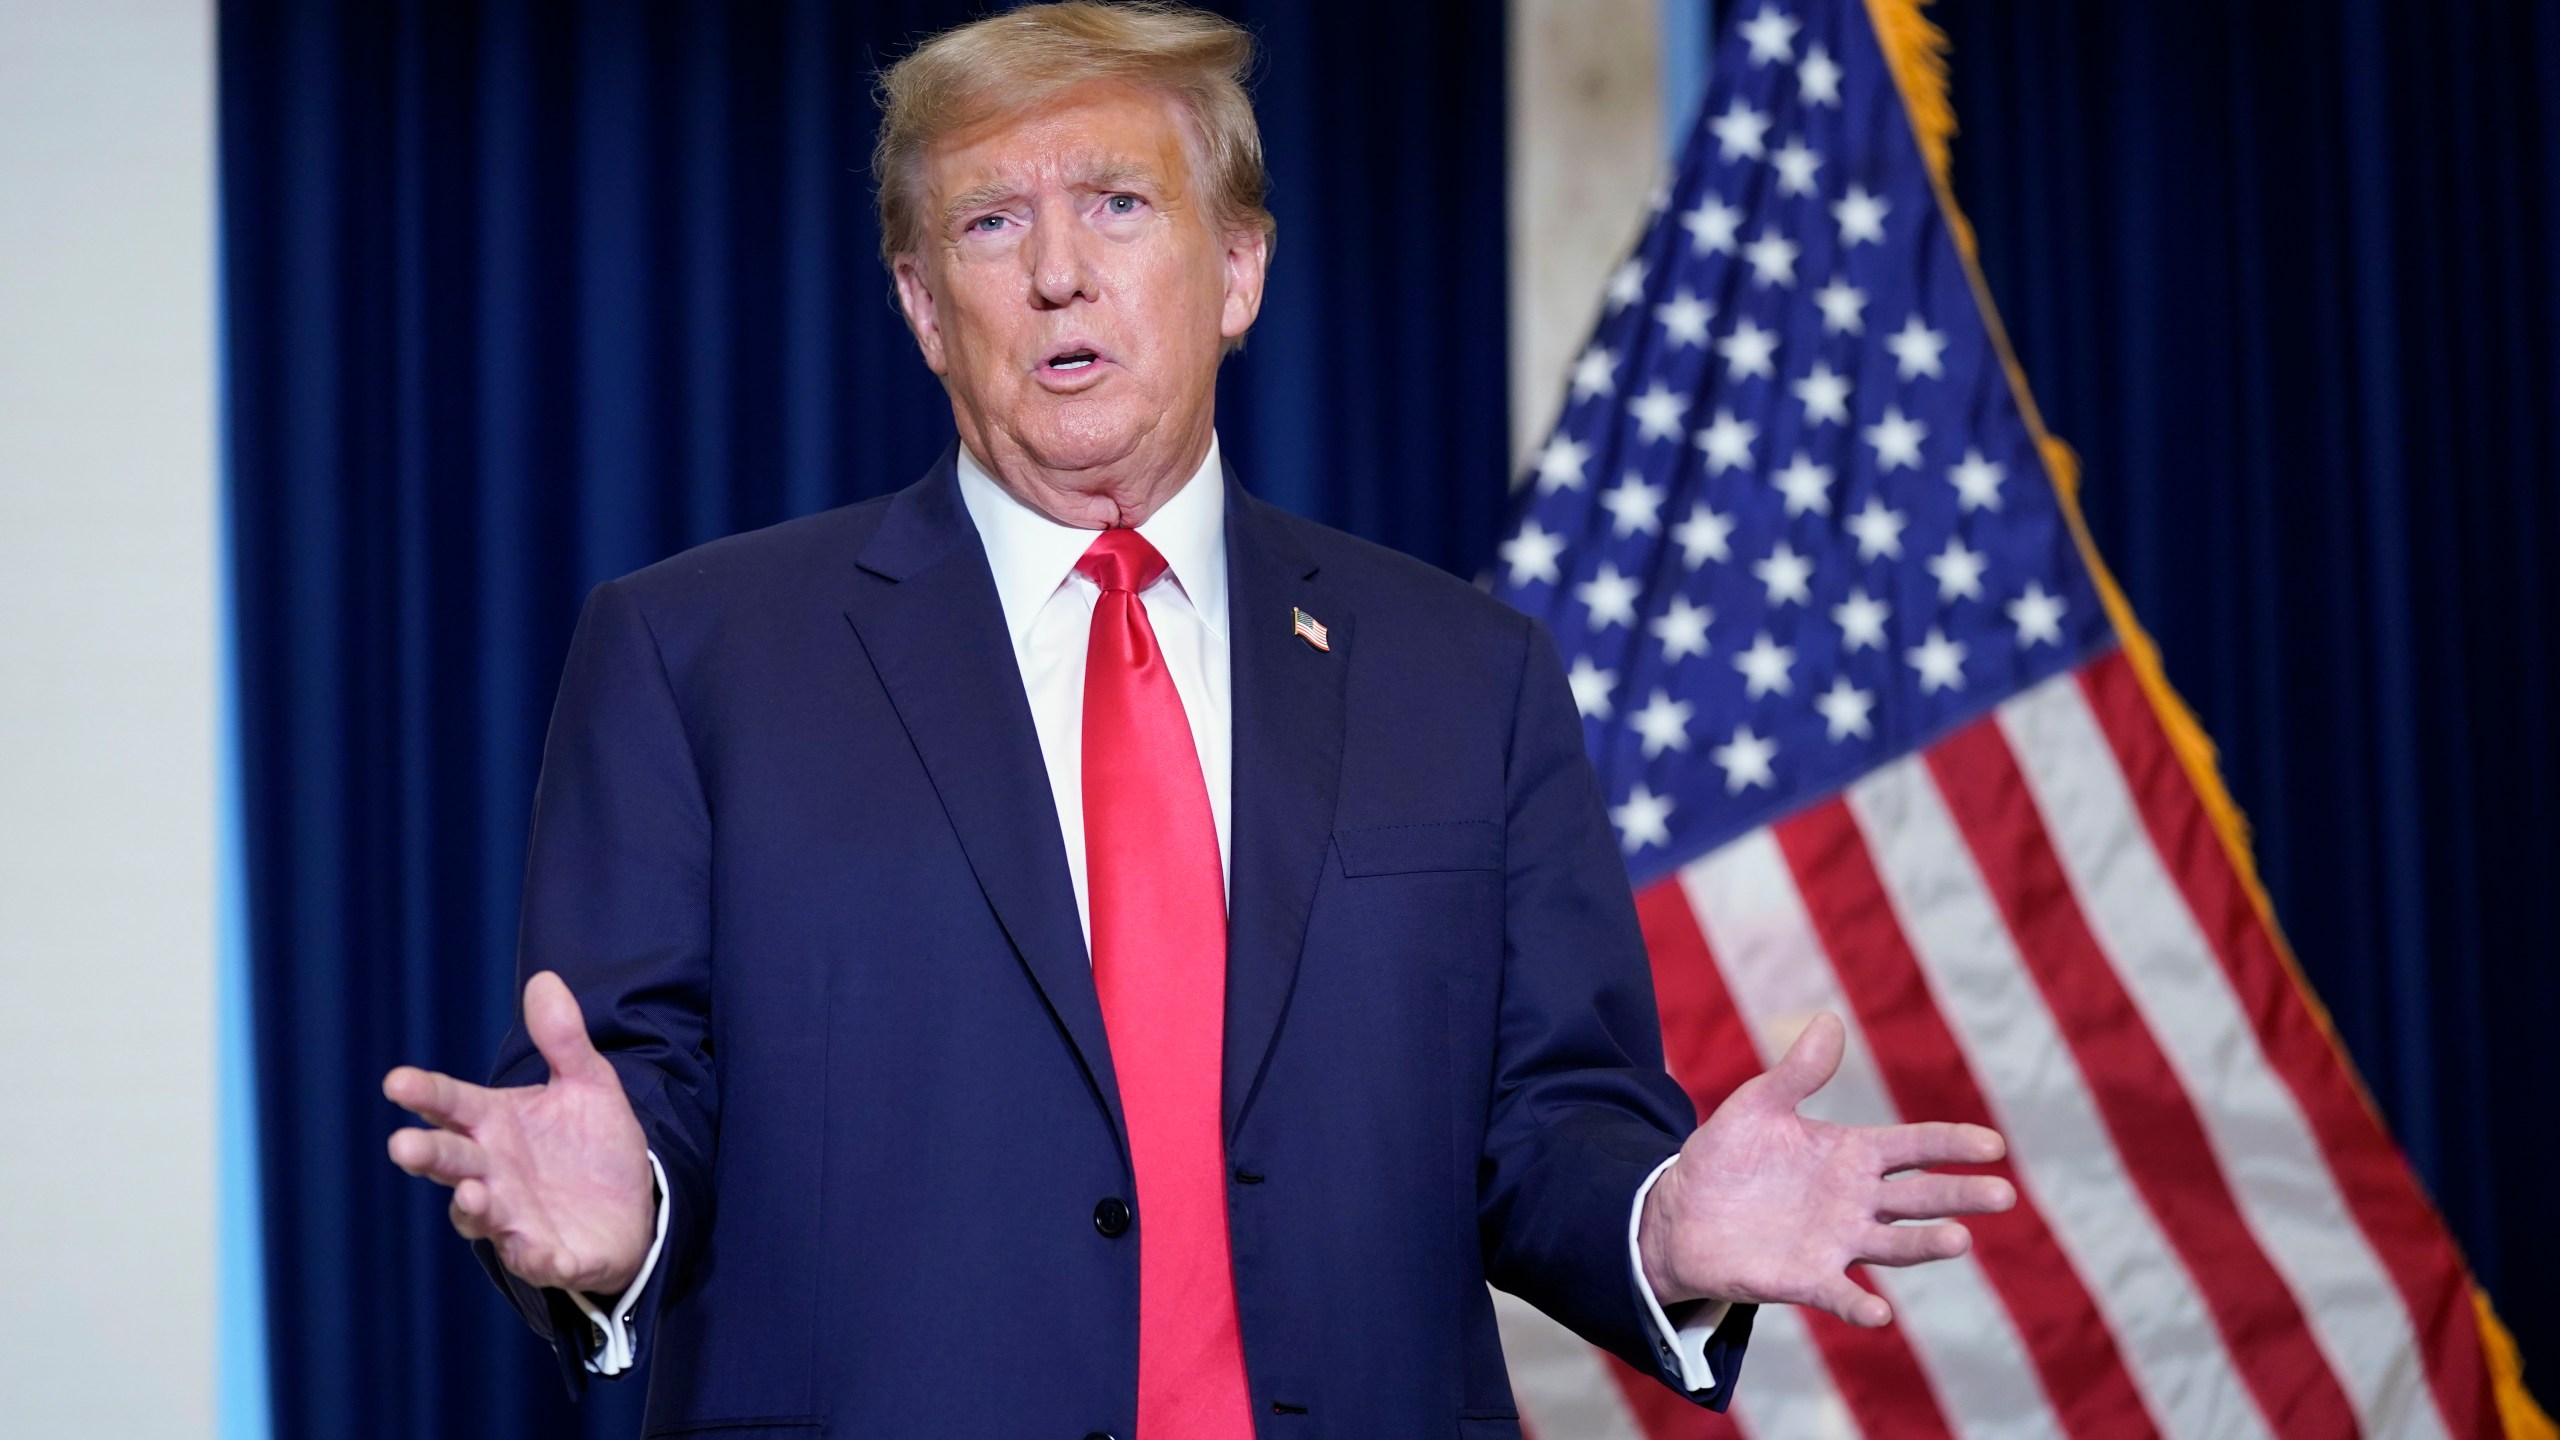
(1414, 849)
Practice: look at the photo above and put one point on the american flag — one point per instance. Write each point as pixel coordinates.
(1874, 743)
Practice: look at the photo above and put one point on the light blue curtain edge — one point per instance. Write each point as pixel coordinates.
(1684, 29)
(243, 1408)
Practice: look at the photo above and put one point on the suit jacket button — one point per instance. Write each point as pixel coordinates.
(1111, 1217)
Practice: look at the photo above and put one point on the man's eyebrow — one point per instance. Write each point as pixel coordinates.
(978, 197)
(1105, 175)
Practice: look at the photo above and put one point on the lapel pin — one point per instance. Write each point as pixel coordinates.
(1306, 628)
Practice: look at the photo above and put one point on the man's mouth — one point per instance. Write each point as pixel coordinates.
(1070, 361)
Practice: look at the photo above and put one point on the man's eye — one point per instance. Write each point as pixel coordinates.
(1121, 204)
(986, 223)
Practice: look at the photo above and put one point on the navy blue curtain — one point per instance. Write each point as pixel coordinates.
(2287, 272)
(523, 296)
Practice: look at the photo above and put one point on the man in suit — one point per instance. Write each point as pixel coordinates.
(1069, 949)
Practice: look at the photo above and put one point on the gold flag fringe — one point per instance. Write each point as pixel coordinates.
(1915, 51)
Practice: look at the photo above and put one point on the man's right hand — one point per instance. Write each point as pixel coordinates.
(555, 1176)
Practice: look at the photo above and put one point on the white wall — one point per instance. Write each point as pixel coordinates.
(108, 548)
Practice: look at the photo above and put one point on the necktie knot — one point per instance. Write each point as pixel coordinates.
(1121, 559)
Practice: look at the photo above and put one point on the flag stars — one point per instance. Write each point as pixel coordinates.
(1635, 508)
(1977, 482)
(1745, 760)
(1704, 536)
(1797, 162)
(1843, 308)
(1560, 464)
(1532, 555)
(1824, 395)
(1878, 531)
(1765, 668)
(1818, 77)
(1749, 351)
(1786, 575)
(1684, 319)
(1773, 260)
(1940, 662)
(1609, 597)
(1663, 723)
(1727, 443)
(1591, 687)
(2037, 616)
(1861, 620)
(1897, 440)
(1861, 217)
(1771, 35)
(1844, 709)
(1916, 349)
(1626, 285)
(1659, 412)
(1739, 131)
(1682, 629)
(1595, 374)
(1712, 226)
(1644, 820)
(1959, 571)
(1806, 485)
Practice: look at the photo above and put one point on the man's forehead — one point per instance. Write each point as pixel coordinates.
(1094, 134)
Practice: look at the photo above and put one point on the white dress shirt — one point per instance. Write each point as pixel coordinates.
(1048, 615)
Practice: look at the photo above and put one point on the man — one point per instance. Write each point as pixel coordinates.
(1069, 949)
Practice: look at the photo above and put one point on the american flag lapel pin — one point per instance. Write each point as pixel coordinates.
(1307, 628)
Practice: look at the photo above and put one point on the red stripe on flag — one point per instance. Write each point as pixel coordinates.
(1916, 1055)
(2154, 1123)
(2380, 1189)
(1710, 1054)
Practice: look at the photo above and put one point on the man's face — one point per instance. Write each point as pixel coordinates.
(1074, 293)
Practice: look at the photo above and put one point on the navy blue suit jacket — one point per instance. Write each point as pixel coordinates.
(794, 851)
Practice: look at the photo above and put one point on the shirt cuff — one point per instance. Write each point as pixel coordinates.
(614, 1347)
(1683, 1346)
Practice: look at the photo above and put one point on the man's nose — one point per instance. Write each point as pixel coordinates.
(1060, 263)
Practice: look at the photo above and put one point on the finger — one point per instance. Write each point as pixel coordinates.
(1920, 1147)
(437, 1098)
(470, 1211)
(1809, 1063)
(559, 1031)
(439, 1155)
(1852, 1302)
(1927, 1197)
(1914, 1244)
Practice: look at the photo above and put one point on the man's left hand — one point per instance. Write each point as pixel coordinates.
(1767, 1207)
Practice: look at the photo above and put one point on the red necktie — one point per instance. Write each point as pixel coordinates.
(1159, 915)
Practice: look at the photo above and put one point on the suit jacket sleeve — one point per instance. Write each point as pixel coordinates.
(617, 901)
(1582, 1109)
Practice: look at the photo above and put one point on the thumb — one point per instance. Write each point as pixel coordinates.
(1809, 1063)
(559, 1031)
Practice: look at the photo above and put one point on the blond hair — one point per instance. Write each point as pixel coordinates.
(1017, 60)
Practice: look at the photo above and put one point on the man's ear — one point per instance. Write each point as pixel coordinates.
(915, 301)
(1248, 259)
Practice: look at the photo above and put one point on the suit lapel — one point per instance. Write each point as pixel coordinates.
(927, 614)
(1288, 763)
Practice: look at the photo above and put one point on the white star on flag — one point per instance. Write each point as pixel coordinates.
(1703, 536)
(1940, 662)
(1806, 485)
(1745, 760)
(1771, 34)
(1532, 553)
(1825, 396)
(1861, 620)
(1897, 440)
(1727, 442)
(1861, 217)
(1916, 349)
(1818, 76)
(1773, 260)
(1977, 482)
(1659, 412)
(1635, 508)
(1738, 131)
(1878, 531)
(1711, 226)
(1844, 706)
(1610, 597)
(2037, 615)
(1684, 319)
(1786, 576)
(1959, 571)
(1843, 306)
(1626, 285)
(1797, 162)
(1764, 667)
(1682, 629)
(1663, 723)
(1591, 686)
(1643, 820)
(1596, 373)
(1560, 464)
(1748, 351)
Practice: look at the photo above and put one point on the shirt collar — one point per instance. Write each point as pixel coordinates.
(1032, 555)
